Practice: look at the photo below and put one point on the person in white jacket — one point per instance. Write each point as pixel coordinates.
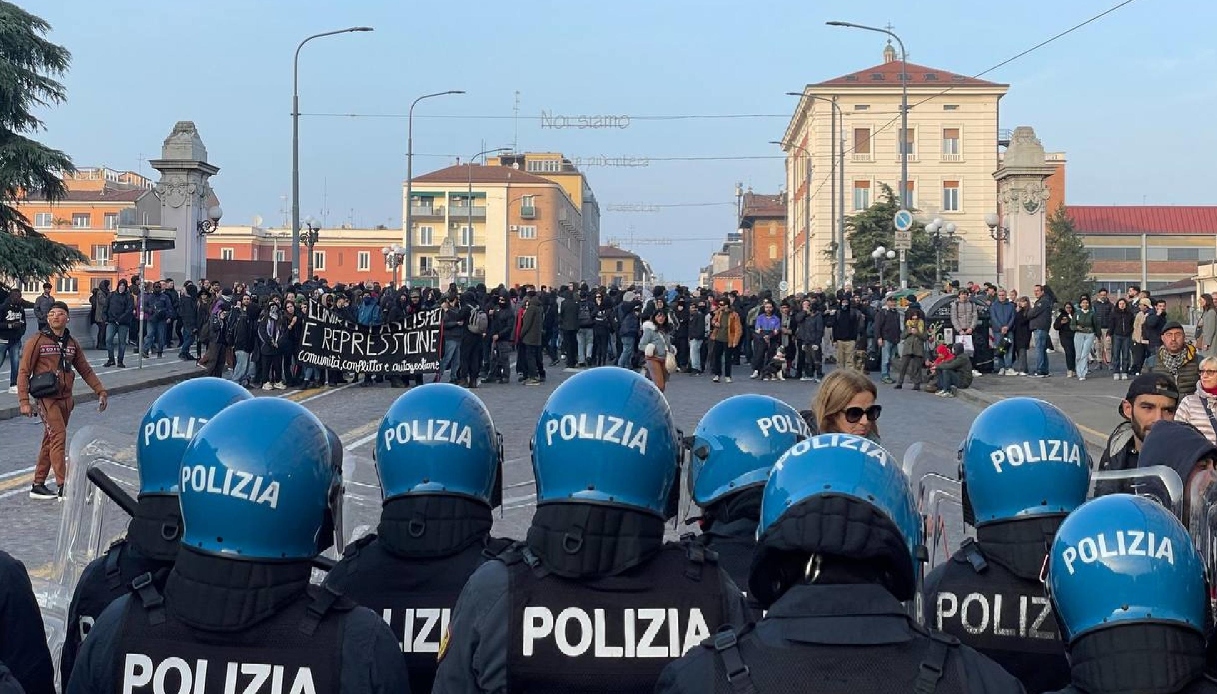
(1200, 408)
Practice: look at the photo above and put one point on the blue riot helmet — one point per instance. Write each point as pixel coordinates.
(259, 482)
(1023, 457)
(737, 442)
(439, 439)
(606, 436)
(837, 495)
(171, 422)
(1123, 559)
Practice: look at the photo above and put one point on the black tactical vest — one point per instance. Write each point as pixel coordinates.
(415, 597)
(921, 665)
(1003, 616)
(609, 634)
(297, 650)
(735, 556)
(103, 581)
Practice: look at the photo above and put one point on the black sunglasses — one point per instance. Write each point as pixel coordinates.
(854, 414)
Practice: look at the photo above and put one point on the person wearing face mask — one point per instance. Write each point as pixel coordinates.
(844, 326)
(272, 331)
(697, 337)
(502, 325)
(845, 404)
(156, 310)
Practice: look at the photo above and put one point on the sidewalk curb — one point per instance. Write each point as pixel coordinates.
(983, 399)
(89, 396)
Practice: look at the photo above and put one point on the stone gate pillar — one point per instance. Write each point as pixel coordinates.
(1022, 200)
(185, 200)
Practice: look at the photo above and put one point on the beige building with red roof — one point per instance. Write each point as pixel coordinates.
(953, 151)
(1148, 246)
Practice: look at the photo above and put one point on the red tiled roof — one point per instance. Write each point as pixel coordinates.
(106, 195)
(888, 74)
(757, 205)
(729, 273)
(616, 252)
(1141, 219)
(481, 174)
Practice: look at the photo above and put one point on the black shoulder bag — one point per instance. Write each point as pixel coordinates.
(46, 384)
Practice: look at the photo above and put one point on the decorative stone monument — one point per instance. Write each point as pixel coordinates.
(187, 203)
(1022, 199)
(448, 261)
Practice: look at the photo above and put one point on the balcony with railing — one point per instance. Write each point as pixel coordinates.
(462, 212)
(952, 156)
(424, 211)
(862, 157)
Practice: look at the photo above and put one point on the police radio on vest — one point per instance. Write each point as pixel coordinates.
(234, 483)
(648, 632)
(1121, 543)
(600, 427)
(782, 424)
(1044, 450)
(441, 430)
(167, 428)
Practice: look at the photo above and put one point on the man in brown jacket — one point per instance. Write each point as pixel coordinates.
(726, 331)
(52, 349)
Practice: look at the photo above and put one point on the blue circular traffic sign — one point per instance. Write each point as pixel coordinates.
(903, 220)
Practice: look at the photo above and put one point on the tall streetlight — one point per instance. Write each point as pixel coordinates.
(408, 233)
(296, 144)
(469, 205)
(310, 239)
(881, 256)
(940, 235)
(836, 198)
(904, 130)
(393, 259)
(806, 215)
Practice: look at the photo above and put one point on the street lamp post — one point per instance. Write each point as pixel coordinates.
(999, 234)
(408, 231)
(310, 238)
(806, 215)
(940, 234)
(904, 130)
(469, 205)
(393, 258)
(881, 257)
(837, 168)
(296, 144)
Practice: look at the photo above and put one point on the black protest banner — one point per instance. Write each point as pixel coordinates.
(332, 342)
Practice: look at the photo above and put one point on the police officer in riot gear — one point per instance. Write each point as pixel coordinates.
(1129, 591)
(593, 600)
(23, 647)
(1024, 467)
(237, 612)
(732, 450)
(439, 459)
(151, 543)
(838, 553)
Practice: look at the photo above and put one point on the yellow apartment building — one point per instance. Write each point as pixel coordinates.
(952, 144)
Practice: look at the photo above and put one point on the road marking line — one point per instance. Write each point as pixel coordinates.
(329, 391)
(15, 492)
(14, 473)
(17, 482)
(361, 441)
(520, 484)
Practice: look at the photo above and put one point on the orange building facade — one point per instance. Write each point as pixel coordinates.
(87, 220)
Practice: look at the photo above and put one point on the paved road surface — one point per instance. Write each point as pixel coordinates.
(28, 528)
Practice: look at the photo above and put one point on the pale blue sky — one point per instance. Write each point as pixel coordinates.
(1129, 97)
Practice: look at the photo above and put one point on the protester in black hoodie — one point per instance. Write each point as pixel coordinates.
(120, 314)
(1181, 447)
(12, 333)
(188, 319)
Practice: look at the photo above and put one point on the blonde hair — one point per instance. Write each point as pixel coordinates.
(1208, 363)
(834, 394)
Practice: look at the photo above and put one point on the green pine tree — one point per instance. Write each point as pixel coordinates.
(874, 227)
(1068, 262)
(29, 68)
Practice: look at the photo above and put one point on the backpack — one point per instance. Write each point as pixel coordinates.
(477, 321)
(237, 333)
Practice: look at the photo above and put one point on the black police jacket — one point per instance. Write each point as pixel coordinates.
(103, 581)
(734, 542)
(22, 639)
(134, 642)
(1200, 686)
(1003, 616)
(491, 629)
(843, 636)
(415, 596)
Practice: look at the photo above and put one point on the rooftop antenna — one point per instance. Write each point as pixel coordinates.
(325, 202)
(515, 124)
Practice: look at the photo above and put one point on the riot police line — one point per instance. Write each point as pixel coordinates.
(809, 572)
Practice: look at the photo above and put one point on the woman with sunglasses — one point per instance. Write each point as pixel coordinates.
(845, 404)
(1200, 408)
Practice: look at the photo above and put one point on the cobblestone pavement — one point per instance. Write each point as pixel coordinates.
(28, 528)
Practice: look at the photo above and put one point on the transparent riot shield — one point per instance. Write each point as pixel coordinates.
(1158, 482)
(361, 498)
(1200, 506)
(933, 470)
(90, 521)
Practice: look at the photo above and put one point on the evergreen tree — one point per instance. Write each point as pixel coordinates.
(874, 227)
(29, 66)
(1068, 262)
